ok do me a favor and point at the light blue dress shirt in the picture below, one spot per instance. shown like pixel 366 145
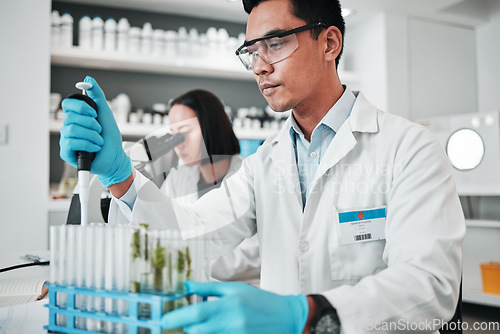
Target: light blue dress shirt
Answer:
pixel 308 154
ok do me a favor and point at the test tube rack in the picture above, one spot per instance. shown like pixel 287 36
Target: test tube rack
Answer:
pixel 133 321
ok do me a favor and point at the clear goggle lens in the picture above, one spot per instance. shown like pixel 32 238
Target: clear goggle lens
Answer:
pixel 271 50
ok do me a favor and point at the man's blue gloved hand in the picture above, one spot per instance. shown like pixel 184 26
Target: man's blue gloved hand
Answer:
pixel 82 132
pixel 241 308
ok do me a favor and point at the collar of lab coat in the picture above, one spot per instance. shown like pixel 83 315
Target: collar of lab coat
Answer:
pixel 363 118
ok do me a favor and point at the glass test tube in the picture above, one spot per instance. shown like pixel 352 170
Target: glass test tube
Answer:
pixel 122 250
pixel 61 275
pixel 89 251
pixel 80 323
pixel 109 273
pixel 99 270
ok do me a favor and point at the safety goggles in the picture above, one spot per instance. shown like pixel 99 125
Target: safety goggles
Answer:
pixel 272 48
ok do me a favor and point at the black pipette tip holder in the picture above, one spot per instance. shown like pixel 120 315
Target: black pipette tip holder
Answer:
pixel 84 159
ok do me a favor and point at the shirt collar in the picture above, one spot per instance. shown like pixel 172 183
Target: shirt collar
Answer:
pixel 334 118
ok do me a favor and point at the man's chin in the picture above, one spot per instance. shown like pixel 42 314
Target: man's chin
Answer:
pixel 276 107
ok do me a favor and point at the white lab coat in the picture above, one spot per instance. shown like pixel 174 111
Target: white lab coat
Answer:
pixel 241 264
pixel 375 160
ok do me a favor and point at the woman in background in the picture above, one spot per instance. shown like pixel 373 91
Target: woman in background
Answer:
pixel 209 153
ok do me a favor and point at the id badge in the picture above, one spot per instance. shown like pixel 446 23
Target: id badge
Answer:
pixel 361 226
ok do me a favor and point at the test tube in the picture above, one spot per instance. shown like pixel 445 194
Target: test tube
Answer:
pixel 80 323
pixel 61 275
pixel 54 250
pixel 109 273
pixel 122 250
pixel 99 270
pixel 89 272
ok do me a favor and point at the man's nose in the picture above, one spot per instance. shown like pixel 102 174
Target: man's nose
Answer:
pixel 260 66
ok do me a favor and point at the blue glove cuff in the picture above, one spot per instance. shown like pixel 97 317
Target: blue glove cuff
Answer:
pixel 299 307
pixel 119 172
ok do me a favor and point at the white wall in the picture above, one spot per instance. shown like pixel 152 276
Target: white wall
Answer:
pixel 365 53
pixel 442 69
pixel 488 60
pixel 413 68
pixel 398 85
pixel 24 91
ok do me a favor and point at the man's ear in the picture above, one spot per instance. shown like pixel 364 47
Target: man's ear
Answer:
pixel 333 45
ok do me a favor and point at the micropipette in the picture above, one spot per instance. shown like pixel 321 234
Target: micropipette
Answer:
pixel 84 159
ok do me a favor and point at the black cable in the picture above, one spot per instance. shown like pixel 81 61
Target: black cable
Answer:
pixel 41 263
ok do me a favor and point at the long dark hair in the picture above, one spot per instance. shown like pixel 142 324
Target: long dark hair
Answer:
pixel 216 129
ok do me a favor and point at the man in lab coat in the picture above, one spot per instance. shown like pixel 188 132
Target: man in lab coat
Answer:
pixel 360 226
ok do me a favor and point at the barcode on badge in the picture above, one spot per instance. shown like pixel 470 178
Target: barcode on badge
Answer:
pixel 359 237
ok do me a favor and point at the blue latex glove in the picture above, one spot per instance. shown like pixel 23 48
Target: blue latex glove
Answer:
pixel 82 132
pixel 241 308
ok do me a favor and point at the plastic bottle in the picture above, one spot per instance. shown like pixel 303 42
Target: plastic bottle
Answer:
pixel 203 45
pixel 194 43
pixel 170 44
pixel 122 41
pixel 110 35
pixel 134 34
pixel 122 107
pixel 85 32
pixel 212 42
pixel 222 45
pixel 66 30
pixel 146 38
pixel 97 33
pixel 55 30
pixel 233 45
pixel 182 42
pixel 158 42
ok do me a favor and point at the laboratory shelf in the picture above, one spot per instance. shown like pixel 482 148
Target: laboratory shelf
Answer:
pixel 189 66
pixel 141 130
pixel 214 68
pixel 479 297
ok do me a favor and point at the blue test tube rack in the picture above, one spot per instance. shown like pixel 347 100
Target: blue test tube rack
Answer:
pixel 132 321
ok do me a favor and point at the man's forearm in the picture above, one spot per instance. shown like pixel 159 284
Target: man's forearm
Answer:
pixel 119 189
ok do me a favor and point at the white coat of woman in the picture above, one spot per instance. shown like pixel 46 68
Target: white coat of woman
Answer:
pixel 207 155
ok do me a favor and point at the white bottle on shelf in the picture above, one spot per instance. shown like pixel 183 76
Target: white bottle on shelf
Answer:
pixel 146 38
pixel 97 33
pixel 223 41
pixel 203 45
pixel 233 44
pixel 134 34
pixel 66 30
pixel 182 42
pixel 194 43
pixel 122 108
pixel 85 32
pixel 212 37
pixel 122 40
pixel 110 35
pixel 158 42
pixel 170 44
pixel 55 30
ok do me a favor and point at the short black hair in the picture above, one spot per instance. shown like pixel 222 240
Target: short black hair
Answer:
pixel 311 11
pixel 216 129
